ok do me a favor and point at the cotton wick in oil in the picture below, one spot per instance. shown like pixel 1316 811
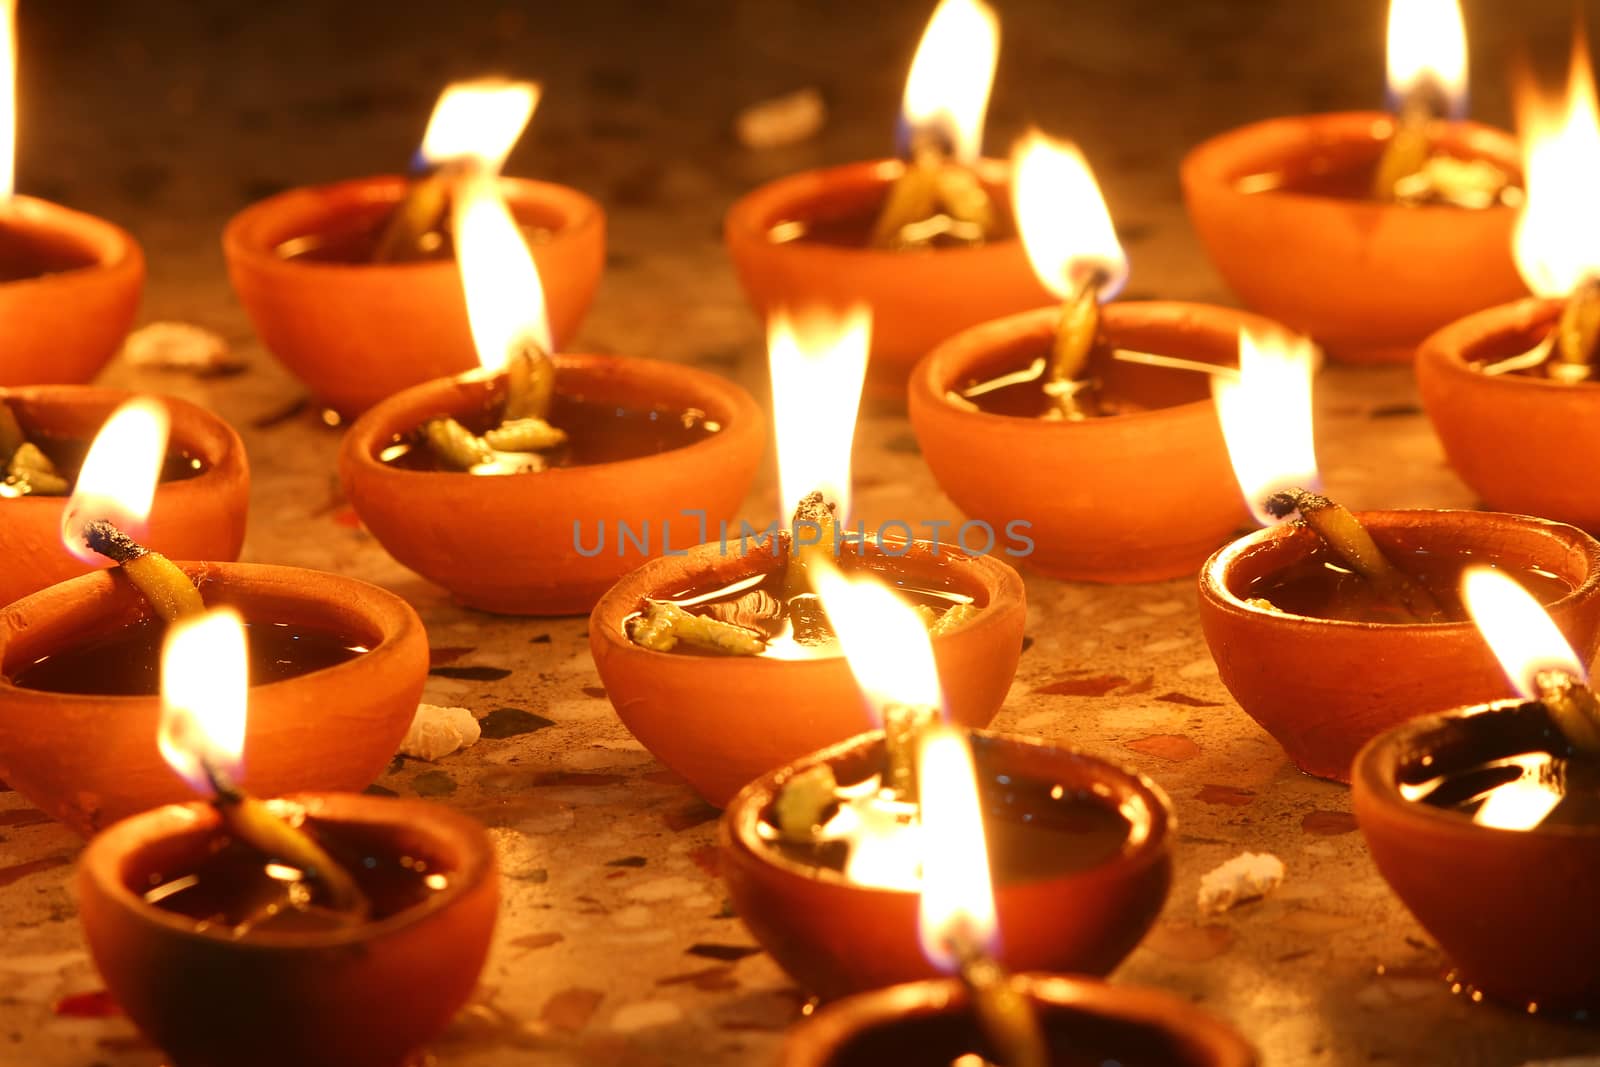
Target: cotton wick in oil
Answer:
pixel 1004 1015
pixel 28 471
pixel 167 589
pixel 933 197
pixel 523 429
pixel 1342 532
pixel 415 227
pixel 1066 379
pixel 1409 147
pixel 252 823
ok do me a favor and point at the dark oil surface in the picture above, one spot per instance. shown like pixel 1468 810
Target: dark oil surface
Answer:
pixel 597 432
pixel 24 254
pixel 228 888
pixel 1345 172
pixel 1321 587
pixel 1020 393
pixel 354 241
pixel 800 629
pixel 852 225
pixel 68 454
pixel 127 662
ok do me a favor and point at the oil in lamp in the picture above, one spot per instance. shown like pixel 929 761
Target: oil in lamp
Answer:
pixel 339 664
pixel 1511 390
pixel 1394 224
pixel 237 931
pixel 351 285
pixel 484 482
pixel 686 645
pixel 925 240
pixel 1485 819
pixel 1330 629
pixel 823 857
pixel 69 282
pixel 1126 476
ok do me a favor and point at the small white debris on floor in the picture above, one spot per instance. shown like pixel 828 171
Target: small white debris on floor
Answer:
pixel 1245 877
pixel 783 120
pixel 179 346
pixel 438 731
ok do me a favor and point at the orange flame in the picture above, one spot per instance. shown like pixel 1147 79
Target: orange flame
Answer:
pixel 1521 634
pixel 118 479
pixel 818 362
pixel 1266 417
pixel 1557 239
pixel 479 121
pixel 1427 44
pixel 1065 225
pixel 505 299
pixel 947 91
pixel 8 99
pixel 957 906
pixel 205 679
pixel 884 640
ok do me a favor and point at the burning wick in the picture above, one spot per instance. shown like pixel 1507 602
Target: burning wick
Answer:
pixel 1427 83
pixel 947 93
pixel 1534 653
pixel 1341 531
pixel 473 128
pixel 168 590
pixel 957 912
pixel 204 697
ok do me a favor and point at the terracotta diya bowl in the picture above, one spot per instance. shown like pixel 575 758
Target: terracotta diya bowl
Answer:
pixel 355 332
pixel 918 298
pixel 835 937
pixel 1513 909
pixel 930 1024
pixel 1368 280
pixel 1324 687
pixel 510 544
pixel 368 995
pixel 1136 497
pixel 194 517
pixel 69 287
pixel 722 721
pixel 90 759
pixel 1524 444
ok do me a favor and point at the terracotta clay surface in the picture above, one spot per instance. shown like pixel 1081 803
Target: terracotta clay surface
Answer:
pixel 1514 909
pixel 510 543
pixel 1524 444
pixel 356 333
pixel 835 938
pixel 63 326
pixel 1323 688
pixel 194 518
pixel 1368 280
pixel 721 721
pixel 364 996
pixel 918 299
pixel 91 760
pixel 1127 498
pixel 930 1024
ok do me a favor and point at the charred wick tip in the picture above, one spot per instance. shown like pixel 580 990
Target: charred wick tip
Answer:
pixel 1285 502
pixel 103 537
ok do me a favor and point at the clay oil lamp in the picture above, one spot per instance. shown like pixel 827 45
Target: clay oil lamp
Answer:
pixel 351 285
pixel 1512 391
pixel 720 660
pixel 1115 469
pixel 327 929
pixel 493 483
pixel 69 282
pixel 337 664
pixel 1331 629
pixel 924 240
pixel 1485 820
pixel 1395 224
pixel 824 858
pixel 198 504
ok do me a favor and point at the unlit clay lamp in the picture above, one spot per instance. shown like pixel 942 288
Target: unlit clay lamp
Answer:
pixel 1512 391
pixel 1485 820
pixel 1394 224
pixel 328 930
pixel 337 665
pixel 924 241
pixel 612 443
pixel 358 304
pixel 199 503
pixel 1116 470
pixel 823 858
pixel 69 282
pixel 720 719
pixel 1332 629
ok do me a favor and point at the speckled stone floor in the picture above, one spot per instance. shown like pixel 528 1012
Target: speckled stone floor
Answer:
pixel 614 945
